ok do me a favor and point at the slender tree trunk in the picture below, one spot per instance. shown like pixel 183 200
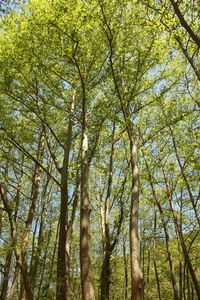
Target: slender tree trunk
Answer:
pixel 184 281
pixel 180 255
pixel 7 265
pixel 105 276
pixel 64 291
pixel 71 221
pixel 157 276
pixel 155 260
pixel 125 271
pixel 148 272
pixel 142 258
pixel 1 215
pixel 107 247
pixel 192 292
pixel 188 284
pixel 85 257
pixel 136 274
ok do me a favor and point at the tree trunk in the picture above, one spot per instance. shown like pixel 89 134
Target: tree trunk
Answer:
pixel 125 271
pixel 85 257
pixel 157 276
pixel 184 281
pixel 105 276
pixel 7 265
pixel 1 215
pixel 136 274
pixel 155 260
pixel 148 272
pixel 107 247
pixel 64 291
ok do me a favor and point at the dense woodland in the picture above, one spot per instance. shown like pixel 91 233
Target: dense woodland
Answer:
pixel 99 178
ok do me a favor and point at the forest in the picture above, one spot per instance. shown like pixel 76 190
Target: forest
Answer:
pixel 99 151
